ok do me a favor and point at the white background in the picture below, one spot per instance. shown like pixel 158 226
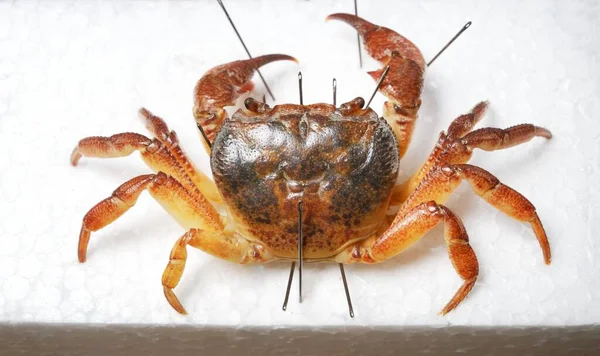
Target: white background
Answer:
pixel 75 69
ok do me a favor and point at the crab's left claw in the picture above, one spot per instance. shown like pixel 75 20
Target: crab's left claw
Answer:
pixel 222 85
pixel 404 82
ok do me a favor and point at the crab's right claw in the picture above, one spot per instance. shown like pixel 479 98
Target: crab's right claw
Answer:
pixel 381 42
pixel 404 82
pixel 222 85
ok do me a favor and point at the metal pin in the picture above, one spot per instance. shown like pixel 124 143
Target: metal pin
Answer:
pixel 358 36
pixel 467 25
pixel 385 72
pixel 300 87
pixel 334 92
pixel 300 245
pixel 264 99
pixel 289 286
pixel 293 266
pixel 204 135
pixel 246 48
pixel 350 309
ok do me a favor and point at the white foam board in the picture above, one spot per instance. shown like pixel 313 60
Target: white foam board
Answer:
pixel 75 69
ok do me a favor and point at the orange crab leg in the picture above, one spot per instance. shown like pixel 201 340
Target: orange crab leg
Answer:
pixel 162 153
pixel 174 270
pixel 221 86
pixel 190 209
pixel 159 128
pixel 442 181
pixel 422 211
pixel 231 248
pixel 404 82
pixel 411 226
pixel 457 145
pixel 119 145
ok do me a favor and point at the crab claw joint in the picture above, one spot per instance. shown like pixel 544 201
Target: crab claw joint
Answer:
pixel 222 85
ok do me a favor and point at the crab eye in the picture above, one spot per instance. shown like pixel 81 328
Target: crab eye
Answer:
pixel 353 106
pixel 256 106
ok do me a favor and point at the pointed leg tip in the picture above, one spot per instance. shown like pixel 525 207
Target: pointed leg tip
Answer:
pixel 84 239
pixel 545 133
pixel 449 307
pixel 174 301
pixel 75 156
pixel 547 256
pixel 481 108
pixel 143 112
pixel 81 253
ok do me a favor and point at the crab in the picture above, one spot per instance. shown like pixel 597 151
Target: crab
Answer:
pixel 339 163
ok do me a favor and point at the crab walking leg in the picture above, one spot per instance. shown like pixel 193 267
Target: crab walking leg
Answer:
pixel 458 127
pixel 191 210
pixel 174 270
pixel 410 227
pixel 221 86
pixel 119 145
pixel 159 128
pixel 442 181
pixel 463 124
pixel 154 153
pixel 403 84
pixel 216 243
pixel 458 144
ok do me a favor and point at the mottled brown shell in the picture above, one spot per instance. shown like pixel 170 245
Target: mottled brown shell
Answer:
pixel 342 167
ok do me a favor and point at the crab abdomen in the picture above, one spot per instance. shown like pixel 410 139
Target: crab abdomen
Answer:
pixel 342 168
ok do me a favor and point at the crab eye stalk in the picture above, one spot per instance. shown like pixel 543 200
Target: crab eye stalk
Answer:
pixel 256 106
pixel 352 107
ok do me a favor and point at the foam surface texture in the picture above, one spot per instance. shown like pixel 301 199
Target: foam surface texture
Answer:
pixel 74 69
